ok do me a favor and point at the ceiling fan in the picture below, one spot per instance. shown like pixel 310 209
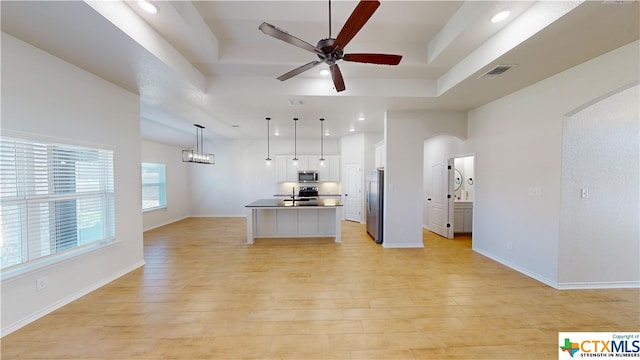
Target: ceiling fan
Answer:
pixel 330 50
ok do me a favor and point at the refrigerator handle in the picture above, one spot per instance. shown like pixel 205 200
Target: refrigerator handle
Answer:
pixel 368 200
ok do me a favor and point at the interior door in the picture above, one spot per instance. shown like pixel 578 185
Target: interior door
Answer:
pixel 353 193
pixel 438 201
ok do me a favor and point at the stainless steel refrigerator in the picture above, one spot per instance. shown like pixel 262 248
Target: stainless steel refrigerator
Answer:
pixel 375 202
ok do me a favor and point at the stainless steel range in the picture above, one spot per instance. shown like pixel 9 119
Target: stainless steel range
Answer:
pixel 308 192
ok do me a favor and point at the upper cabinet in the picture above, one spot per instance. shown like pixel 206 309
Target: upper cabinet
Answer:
pixel 286 172
pixel 331 169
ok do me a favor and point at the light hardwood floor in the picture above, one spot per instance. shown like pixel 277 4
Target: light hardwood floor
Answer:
pixel 205 294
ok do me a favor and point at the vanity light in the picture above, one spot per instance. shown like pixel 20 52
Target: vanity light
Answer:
pixel 268 159
pixel 198 155
pixel 321 142
pixel 148 6
pixel 295 142
pixel 500 16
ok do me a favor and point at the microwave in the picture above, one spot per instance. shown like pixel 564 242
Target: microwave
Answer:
pixel 307 176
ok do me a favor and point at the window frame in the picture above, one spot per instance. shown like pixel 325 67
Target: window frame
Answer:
pixel 22 165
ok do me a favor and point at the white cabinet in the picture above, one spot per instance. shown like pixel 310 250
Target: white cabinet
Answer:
pixel 282 170
pixel 286 172
pixel 331 169
pixel 462 216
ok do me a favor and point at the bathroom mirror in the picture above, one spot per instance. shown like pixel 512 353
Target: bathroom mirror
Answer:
pixel 457 179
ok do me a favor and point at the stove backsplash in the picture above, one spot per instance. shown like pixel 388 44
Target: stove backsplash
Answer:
pixel 324 188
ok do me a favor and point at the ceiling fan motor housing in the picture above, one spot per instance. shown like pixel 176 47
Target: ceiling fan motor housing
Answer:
pixel 331 55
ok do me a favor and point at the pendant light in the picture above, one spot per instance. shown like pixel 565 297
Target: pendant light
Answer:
pixel 268 159
pixel 198 155
pixel 295 142
pixel 321 142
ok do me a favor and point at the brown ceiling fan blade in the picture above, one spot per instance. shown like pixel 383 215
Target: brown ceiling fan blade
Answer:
pixel 279 34
pixel 381 59
pixel 298 70
pixel 336 75
pixel 356 21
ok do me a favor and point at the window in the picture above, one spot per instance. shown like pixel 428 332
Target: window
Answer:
pixel 54 198
pixel 154 187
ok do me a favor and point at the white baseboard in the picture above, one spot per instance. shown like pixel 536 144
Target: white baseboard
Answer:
pixel 164 223
pixel 591 285
pixel 542 279
pixel 62 302
pixel 599 285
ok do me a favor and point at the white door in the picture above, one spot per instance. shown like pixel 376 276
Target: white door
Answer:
pixel 353 193
pixel 438 201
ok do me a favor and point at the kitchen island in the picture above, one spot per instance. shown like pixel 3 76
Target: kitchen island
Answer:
pixel 278 218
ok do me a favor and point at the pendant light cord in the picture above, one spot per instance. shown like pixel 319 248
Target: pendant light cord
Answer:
pixel 268 133
pixel 295 138
pixel 321 139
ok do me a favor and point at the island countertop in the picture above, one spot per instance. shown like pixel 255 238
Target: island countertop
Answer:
pixel 281 203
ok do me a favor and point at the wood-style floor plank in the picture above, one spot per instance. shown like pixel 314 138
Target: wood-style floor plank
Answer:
pixel 205 294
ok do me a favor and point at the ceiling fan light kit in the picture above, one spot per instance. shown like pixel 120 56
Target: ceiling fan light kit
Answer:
pixel 331 50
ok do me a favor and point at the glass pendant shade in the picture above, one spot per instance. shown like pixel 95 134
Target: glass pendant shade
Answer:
pixel 198 155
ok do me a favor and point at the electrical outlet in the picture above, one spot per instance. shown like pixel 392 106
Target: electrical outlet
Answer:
pixel 42 283
pixel 584 193
pixel 535 191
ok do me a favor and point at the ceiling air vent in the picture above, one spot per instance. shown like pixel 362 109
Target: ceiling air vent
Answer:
pixel 496 71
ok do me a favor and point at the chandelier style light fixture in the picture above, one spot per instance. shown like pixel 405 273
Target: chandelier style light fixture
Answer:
pixel 295 142
pixel 321 142
pixel 198 155
pixel 268 159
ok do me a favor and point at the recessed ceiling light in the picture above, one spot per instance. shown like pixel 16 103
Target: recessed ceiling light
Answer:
pixel 148 6
pixel 276 133
pixel 361 118
pixel 324 72
pixel 500 16
pixel 296 102
pixel 352 129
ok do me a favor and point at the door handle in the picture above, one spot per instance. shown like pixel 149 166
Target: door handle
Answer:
pixel 346 194
pixel 428 199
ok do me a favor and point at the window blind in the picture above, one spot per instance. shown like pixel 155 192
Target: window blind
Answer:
pixel 54 198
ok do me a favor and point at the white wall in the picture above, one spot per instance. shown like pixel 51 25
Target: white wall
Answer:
pixel 405 133
pixel 177 186
pixel 46 96
pixel 518 141
pixel 600 232
pixel 239 175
